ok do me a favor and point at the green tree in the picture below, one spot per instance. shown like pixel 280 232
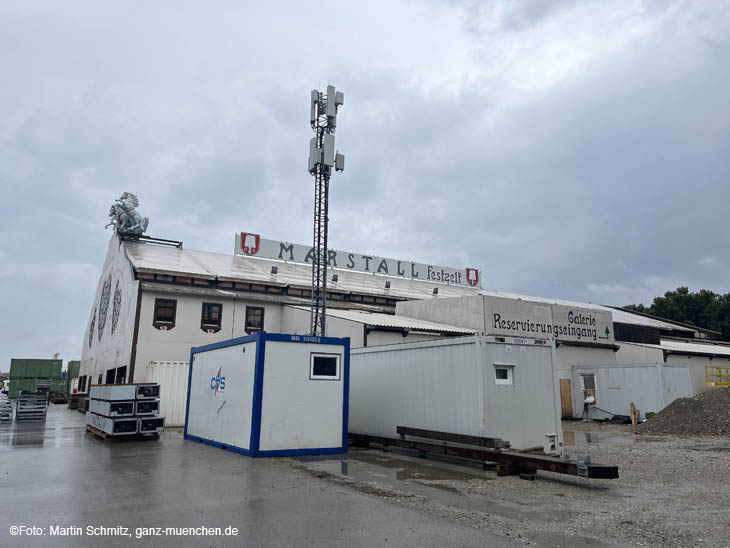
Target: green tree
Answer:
pixel 704 308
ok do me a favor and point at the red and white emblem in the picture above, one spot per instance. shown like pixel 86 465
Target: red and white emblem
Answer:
pixel 250 243
pixel 472 276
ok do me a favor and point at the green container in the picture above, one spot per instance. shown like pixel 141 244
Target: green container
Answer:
pixel 20 367
pixel 26 385
pixel 72 372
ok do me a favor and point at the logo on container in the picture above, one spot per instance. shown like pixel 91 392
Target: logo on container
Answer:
pixel 218 383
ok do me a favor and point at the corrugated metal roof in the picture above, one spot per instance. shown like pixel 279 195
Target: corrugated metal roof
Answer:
pixel 390 321
pixel 165 260
pixel 202 264
pixel 206 265
pixel 696 348
pixel 680 347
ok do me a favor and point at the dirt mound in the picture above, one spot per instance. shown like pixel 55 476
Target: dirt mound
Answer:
pixel 706 414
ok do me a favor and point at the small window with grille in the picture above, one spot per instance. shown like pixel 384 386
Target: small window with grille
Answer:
pixel 254 319
pixel 210 317
pixel 164 316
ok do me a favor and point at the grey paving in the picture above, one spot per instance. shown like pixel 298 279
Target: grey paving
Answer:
pixel 55 474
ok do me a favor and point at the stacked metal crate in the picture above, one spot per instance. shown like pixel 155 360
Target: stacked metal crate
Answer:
pixel 124 409
pixel 6 409
pixel 31 406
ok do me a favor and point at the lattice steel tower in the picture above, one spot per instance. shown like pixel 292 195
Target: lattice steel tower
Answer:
pixel 322 158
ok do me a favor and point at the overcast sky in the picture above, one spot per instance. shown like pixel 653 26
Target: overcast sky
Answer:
pixel 567 149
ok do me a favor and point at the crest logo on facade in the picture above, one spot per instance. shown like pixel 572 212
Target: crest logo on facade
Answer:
pixel 250 243
pixel 218 383
pixel 472 276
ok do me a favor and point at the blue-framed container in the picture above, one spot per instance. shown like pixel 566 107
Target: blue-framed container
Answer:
pixel 270 394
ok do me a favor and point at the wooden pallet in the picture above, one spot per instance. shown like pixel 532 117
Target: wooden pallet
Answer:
pixel 103 436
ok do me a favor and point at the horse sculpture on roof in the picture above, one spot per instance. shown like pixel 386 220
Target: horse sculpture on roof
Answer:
pixel 125 218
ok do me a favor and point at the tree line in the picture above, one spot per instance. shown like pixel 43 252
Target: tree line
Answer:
pixel 704 308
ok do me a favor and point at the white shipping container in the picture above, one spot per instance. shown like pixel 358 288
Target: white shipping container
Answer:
pixel 650 387
pixel 270 394
pixel 499 387
pixel 173 380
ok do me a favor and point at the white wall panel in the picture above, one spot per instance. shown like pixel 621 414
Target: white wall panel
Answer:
pixel 299 412
pixel 224 415
pixel 173 380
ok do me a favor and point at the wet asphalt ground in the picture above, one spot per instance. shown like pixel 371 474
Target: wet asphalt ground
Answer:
pixel 59 479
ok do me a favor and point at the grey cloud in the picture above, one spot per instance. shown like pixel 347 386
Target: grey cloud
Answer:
pixel 608 184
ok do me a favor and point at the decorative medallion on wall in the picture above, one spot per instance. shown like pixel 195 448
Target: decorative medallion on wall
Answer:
pixel 91 327
pixel 106 293
pixel 116 306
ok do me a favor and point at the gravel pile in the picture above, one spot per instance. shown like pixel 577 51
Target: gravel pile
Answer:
pixel 706 414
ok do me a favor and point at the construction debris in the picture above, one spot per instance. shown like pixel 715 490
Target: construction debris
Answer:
pixel 706 414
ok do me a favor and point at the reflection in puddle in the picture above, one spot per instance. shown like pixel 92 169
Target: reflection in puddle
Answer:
pixel 428 478
pixel 563 540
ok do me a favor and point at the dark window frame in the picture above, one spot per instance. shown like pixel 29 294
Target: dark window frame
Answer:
pixel 208 326
pixel 111 375
pixel 159 324
pixel 121 375
pixel 338 367
pixel 254 309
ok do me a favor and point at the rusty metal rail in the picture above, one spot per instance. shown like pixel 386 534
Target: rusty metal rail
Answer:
pixel 464 439
pixel 510 462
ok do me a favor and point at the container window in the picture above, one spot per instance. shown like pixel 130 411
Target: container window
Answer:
pixel 210 317
pixel 165 311
pixel 325 367
pixel 589 382
pixel 254 318
pixel 503 374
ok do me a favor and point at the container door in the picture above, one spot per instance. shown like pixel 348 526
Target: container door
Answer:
pixel 566 398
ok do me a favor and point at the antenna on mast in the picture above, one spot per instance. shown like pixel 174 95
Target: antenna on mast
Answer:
pixel 323 109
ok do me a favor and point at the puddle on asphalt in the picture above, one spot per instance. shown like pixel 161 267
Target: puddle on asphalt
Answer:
pixel 424 477
pixel 548 539
pixel 571 438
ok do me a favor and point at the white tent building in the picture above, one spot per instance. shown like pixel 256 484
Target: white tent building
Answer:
pixel 155 300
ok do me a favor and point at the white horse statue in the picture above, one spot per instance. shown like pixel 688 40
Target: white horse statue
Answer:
pixel 125 218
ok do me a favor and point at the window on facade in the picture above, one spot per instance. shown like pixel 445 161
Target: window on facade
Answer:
pixel 82 383
pixel 589 382
pixel 121 375
pixel 503 374
pixel 325 367
pixel 100 379
pixel 254 318
pixel 164 317
pixel 210 317
pixel 111 374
